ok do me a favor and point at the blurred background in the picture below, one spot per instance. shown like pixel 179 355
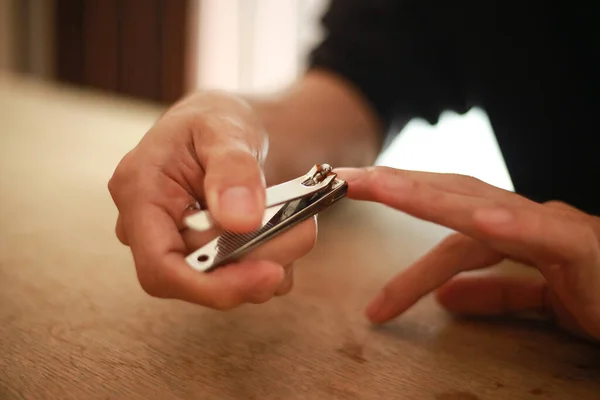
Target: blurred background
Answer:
pixel 157 50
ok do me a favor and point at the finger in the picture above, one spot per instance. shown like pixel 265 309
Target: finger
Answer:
pixel 559 205
pixel 566 251
pixel 548 238
pixel 159 250
pixel 120 231
pixel 153 187
pixel 363 179
pixel 419 199
pixel 234 182
pixel 453 255
pixel 574 212
pixel 288 282
pixel 494 295
pixel 475 216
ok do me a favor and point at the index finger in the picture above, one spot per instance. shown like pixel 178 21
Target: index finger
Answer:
pixel 363 182
pixel 414 195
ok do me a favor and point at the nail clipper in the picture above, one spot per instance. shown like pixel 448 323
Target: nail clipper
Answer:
pixel 287 204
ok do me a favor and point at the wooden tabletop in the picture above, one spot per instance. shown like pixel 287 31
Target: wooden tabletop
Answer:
pixel 74 323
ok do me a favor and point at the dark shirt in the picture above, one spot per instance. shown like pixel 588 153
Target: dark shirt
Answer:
pixel 533 66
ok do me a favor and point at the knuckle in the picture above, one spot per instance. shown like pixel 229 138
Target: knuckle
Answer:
pixel 113 185
pixel 564 207
pixel 227 131
pixel 467 181
pixel 586 246
pixel 558 205
pixel 121 235
pixel 554 203
pixel 228 164
pixel 119 178
pixel 235 153
pixel 377 173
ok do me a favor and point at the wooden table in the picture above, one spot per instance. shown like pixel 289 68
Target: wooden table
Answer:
pixel 74 323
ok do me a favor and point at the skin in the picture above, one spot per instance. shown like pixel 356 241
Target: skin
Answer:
pixel 491 224
pixel 210 142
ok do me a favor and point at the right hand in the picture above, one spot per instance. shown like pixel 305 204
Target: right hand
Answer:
pixel 209 148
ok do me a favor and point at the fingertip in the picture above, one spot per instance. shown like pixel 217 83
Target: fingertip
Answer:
pixel 499 222
pixel 351 175
pixel 378 184
pixel 382 309
pixel 357 179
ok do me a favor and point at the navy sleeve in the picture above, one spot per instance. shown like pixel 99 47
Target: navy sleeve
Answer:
pixel 398 53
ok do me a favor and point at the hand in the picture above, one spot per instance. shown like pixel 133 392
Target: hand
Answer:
pixel 207 149
pixel 492 224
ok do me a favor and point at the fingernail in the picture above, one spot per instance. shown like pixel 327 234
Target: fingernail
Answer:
pixel 375 307
pixel 350 174
pixel 493 216
pixel 238 200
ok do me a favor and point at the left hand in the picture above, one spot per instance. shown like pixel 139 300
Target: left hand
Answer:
pixel 492 224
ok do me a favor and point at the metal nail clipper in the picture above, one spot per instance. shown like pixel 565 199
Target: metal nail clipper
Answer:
pixel 287 205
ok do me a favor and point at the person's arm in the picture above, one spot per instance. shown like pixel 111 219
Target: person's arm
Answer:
pixel 208 149
pixel 321 119
pixel 380 64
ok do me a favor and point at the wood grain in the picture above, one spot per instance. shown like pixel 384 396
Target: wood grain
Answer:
pixel 74 323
